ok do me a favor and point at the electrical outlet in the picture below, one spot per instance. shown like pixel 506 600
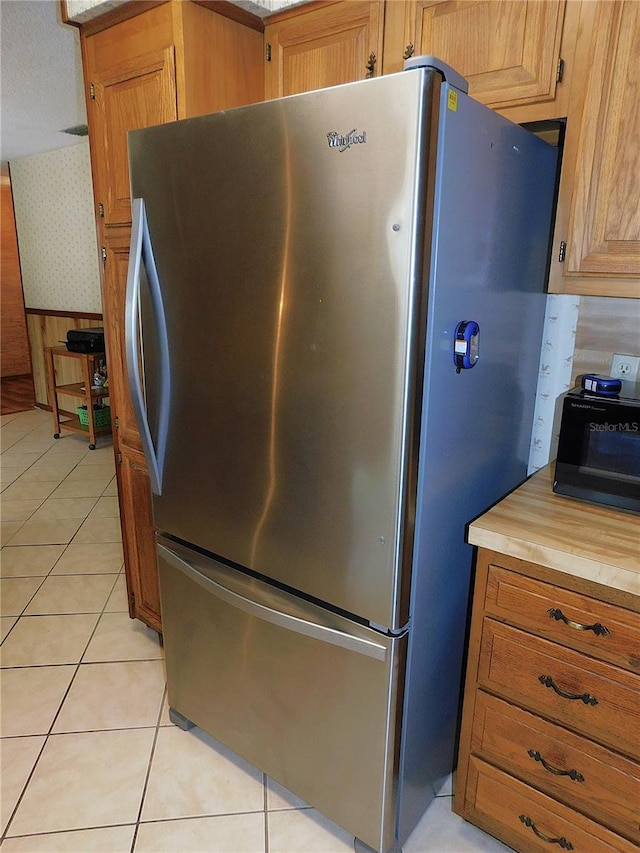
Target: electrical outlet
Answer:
pixel 625 367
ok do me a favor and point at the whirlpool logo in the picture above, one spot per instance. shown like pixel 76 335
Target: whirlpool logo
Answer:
pixel 343 141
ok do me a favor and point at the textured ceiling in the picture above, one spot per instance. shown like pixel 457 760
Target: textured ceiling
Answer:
pixel 41 88
pixel 41 79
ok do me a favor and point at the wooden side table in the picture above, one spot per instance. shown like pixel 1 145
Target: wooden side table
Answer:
pixel 82 390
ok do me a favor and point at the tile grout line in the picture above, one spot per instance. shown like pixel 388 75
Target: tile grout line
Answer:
pixel 7 828
pixel 265 783
pixel 59 483
pixel 148 773
pixel 57 714
pixel 55 563
pixel 24 790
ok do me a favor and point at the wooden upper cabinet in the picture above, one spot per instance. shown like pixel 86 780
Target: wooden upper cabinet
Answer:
pixel 172 61
pixel 508 50
pixel 604 223
pixel 134 95
pixel 323 45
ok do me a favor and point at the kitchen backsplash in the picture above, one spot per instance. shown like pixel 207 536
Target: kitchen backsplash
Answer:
pixel 554 375
pixel 580 336
pixel 605 326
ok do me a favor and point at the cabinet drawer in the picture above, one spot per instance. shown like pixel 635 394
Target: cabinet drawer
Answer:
pixel 603 630
pixel 593 698
pixel 575 770
pixel 530 821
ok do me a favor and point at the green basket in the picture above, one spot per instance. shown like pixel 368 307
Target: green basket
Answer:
pixel 101 416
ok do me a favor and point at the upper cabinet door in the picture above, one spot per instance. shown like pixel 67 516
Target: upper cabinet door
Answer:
pixel 508 50
pixel 604 224
pixel 337 43
pixel 135 94
pixel 168 61
pixel 130 78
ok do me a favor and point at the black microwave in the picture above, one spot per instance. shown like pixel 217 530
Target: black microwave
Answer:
pixel 599 448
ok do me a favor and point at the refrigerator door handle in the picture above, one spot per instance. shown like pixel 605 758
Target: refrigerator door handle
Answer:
pixel 142 253
pixel 324 633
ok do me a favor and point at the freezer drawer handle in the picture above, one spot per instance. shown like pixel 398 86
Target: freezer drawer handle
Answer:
pixel 275 617
pixel 142 253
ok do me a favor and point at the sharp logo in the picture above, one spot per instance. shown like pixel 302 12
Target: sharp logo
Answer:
pixel 344 141
pixel 590 406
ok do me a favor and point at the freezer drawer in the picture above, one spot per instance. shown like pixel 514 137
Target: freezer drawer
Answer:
pixel 306 695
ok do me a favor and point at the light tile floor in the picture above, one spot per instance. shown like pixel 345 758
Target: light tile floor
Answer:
pixel 90 760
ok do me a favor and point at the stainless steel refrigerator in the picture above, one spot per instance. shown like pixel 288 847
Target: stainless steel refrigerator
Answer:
pixel 334 316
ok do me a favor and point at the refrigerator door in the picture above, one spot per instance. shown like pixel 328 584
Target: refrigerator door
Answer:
pixel 284 236
pixel 308 696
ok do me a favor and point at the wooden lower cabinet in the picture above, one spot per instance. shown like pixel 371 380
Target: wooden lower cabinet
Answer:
pixel 134 490
pixel 550 744
pixel 593 698
pixel 138 537
pixel 113 296
pixel 567 766
pixel 146 64
pixel 530 821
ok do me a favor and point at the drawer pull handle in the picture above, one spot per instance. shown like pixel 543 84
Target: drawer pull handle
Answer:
pixel 587 698
pixel 598 629
pixel 562 841
pixel 572 774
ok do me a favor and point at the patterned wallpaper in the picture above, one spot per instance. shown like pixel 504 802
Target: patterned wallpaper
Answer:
pixel 53 200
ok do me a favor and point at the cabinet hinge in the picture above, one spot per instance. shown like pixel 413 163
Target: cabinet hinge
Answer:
pixel 117 421
pixel 119 457
pixel 103 255
pixel 562 252
pixel 132 600
pixel 92 91
pixel 560 70
pixel 101 210
pixel 267 52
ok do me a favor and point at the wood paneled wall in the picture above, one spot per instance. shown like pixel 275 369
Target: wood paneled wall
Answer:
pixel 49 330
pixel 605 326
pixel 14 345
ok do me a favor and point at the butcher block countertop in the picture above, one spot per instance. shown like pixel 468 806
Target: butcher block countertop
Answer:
pixel 587 540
